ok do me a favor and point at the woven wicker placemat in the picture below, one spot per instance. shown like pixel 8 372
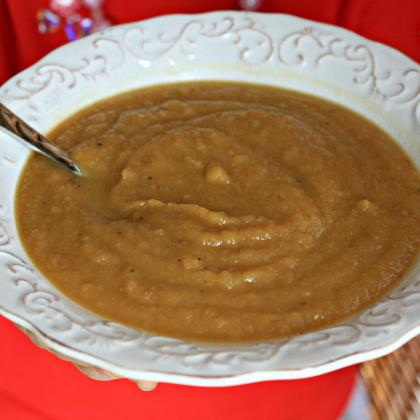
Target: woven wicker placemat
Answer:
pixel 393 383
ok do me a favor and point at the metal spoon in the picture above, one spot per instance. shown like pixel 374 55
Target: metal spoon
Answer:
pixel 16 127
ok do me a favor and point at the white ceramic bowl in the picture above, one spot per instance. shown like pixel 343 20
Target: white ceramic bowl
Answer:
pixel 280 50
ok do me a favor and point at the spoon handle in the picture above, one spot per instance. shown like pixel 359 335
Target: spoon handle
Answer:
pixel 15 125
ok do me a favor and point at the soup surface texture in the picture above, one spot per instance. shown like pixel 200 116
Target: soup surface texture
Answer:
pixel 221 212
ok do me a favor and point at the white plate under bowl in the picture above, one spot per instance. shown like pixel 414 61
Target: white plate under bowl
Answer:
pixel 280 50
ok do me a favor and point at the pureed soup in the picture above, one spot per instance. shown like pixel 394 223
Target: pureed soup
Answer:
pixel 222 212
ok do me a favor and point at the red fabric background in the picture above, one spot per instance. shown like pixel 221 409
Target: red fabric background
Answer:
pixel 35 385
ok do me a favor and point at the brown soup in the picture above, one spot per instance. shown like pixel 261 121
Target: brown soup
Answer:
pixel 222 212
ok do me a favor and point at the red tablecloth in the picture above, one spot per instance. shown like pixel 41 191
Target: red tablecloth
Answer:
pixel 37 385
